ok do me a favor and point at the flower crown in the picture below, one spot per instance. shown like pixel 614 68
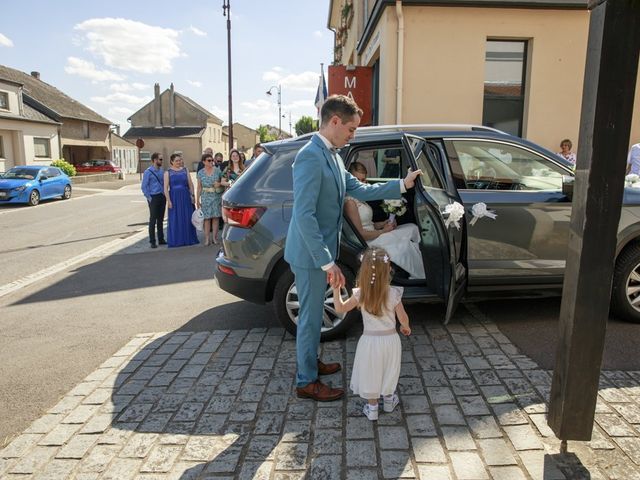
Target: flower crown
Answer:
pixel 385 259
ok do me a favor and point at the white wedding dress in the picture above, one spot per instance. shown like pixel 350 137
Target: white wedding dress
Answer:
pixel 402 244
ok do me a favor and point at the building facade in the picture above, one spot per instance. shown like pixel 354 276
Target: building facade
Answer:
pixel 173 123
pixel 515 65
pixel 123 153
pixel 246 138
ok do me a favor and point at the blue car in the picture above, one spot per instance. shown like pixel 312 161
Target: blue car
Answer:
pixel 30 184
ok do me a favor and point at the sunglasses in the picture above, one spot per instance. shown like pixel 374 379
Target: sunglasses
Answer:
pixel 209 160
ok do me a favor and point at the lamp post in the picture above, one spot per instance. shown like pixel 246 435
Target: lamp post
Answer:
pixel 279 87
pixel 226 12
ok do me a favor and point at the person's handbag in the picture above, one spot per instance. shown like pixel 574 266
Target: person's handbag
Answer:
pixel 197 219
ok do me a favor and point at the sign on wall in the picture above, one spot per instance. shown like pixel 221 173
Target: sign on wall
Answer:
pixel 355 82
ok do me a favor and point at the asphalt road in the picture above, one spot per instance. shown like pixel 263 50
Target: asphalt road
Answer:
pixel 57 331
pixel 34 238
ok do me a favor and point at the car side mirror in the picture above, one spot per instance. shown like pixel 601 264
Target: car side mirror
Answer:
pixel 567 186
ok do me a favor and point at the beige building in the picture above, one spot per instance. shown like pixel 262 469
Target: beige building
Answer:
pixel 513 64
pixel 173 123
pixel 65 127
pixel 123 153
pixel 225 140
pixel 246 138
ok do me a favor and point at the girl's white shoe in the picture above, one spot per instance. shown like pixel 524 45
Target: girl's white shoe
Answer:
pixel 370 411
pixel 390 402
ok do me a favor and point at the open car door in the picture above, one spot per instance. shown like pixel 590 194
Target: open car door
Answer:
pixel 444 246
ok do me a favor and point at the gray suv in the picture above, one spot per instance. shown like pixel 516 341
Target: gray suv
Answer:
pixel 522 251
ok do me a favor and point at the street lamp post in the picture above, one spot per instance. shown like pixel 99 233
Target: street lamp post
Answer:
pixel 226 11
pixel 279 87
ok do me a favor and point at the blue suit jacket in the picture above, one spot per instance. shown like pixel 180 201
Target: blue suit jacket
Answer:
pixel 319 190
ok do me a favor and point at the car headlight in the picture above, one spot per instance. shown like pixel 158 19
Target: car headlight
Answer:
pixel 21 188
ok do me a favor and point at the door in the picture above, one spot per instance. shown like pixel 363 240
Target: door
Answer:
pixel 527 242
pixel 443 245
pixel 48 183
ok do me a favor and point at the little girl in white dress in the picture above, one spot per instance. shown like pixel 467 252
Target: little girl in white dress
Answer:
pixel 376 367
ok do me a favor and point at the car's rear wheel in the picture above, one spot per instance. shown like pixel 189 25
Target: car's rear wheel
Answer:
pixel 287 307
pixel 625 293
pixel 66 195
pixel 34 198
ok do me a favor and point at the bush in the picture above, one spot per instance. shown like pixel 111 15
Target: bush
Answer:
pixel 65 166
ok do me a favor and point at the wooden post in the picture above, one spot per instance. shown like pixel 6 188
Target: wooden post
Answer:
pixel 605 125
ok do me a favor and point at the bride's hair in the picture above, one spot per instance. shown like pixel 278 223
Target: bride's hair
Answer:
pixel 357 167
pixel 374 279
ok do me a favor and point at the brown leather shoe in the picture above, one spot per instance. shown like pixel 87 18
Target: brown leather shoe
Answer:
pixel 319 392
pixel 328 368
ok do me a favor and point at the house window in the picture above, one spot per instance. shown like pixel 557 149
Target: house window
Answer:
pixel 4 100
pixel 504 85
pixel 85 129
pixel 42 147
pixel 1 147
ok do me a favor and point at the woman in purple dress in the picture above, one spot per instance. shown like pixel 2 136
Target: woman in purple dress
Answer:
pixel 178 188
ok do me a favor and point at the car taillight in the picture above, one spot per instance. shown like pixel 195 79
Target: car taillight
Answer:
pixel 243 217
pixel 227 270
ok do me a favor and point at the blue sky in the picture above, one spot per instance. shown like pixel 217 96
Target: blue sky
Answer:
pixel 108 55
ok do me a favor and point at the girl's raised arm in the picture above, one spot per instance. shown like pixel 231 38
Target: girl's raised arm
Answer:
pixel 403 318
pixel 341 305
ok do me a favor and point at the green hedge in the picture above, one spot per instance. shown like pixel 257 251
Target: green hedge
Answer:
pixel 65 166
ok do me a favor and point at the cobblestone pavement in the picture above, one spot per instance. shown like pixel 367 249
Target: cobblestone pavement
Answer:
pixel 220 404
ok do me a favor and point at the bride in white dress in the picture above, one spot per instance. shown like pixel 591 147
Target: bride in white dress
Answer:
pixel 401 242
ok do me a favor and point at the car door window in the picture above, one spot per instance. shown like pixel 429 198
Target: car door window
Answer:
pixel 497 166
pixel 382 163
pixel 429 178
pixel 53 172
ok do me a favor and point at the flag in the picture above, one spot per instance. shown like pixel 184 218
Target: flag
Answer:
pixel 321 94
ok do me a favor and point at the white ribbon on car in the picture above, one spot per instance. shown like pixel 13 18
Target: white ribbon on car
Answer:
pixel 479 210
pixel 455 211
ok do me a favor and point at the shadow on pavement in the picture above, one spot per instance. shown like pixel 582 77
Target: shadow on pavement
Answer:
pixel 532 325
pixel 115 273
pixel 224 402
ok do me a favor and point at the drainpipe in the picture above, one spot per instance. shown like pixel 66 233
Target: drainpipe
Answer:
pixel 400 57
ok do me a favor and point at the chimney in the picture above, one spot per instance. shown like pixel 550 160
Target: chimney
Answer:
pixel 35 75
pixel 172 106
pixel 157 106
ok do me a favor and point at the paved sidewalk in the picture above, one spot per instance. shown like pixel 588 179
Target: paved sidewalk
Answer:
pixel 220 404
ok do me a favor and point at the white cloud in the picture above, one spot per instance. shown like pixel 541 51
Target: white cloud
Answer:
pixel 299 104
pixel 197 31
pixel 221 113
pixel 305 81
pixel 86 69
pixel 130 45
pixel 119 97
pixel 122 111
pixel 317 34
pixel 5 41
pixel 195 83
pixel 127 87
pixel 258 105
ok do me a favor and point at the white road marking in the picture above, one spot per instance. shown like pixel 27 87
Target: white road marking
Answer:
pixel 106 249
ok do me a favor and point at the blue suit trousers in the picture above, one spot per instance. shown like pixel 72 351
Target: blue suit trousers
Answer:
pixel 311 284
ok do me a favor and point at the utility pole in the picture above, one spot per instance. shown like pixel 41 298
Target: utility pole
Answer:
pixel 226 12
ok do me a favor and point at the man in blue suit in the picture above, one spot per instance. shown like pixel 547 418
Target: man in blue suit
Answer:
pixel 320 184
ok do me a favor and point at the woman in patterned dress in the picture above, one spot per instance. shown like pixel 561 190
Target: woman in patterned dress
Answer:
pixel 207 199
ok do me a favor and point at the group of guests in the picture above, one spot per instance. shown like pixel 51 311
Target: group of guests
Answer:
pixel 173 189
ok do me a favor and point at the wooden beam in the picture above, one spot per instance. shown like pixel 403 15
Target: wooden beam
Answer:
pixel 605 125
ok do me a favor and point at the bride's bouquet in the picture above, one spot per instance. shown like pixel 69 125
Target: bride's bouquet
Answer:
pixel 395 208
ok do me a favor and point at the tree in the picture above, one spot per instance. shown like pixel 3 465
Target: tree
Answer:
pixel 265 136
pixel 306 124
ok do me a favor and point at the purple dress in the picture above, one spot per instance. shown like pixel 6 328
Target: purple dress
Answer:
pixel 180 230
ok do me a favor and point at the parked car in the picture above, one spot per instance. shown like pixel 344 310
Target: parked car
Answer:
pixel 522 251
pixel 30 184
pixel 98 166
